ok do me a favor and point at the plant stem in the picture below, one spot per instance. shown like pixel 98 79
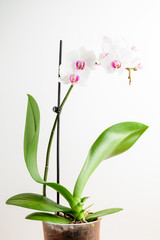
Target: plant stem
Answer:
pixel 50 140
pixel 129 75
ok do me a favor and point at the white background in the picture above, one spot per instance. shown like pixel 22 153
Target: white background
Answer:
pixel 30 31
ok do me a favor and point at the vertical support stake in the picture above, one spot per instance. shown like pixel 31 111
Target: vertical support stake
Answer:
pixel 58 121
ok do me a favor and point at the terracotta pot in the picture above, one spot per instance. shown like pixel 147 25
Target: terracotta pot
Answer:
pixel 83 231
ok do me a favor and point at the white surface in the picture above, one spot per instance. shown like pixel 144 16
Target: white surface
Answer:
pixel 30 32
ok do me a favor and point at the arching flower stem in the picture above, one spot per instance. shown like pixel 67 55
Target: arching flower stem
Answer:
pixel 51 138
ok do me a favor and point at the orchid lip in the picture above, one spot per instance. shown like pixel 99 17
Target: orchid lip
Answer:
pixel 116 64
pixel 74 78
pixel 80 65
pixel 134 48
pixel 139 66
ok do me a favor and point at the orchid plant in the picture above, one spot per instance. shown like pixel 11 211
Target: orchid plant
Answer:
pixel 111 142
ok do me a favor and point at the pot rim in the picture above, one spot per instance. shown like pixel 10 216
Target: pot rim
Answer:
pixel 74 224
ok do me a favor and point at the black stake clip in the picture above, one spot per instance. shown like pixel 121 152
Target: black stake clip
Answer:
pixel 57 109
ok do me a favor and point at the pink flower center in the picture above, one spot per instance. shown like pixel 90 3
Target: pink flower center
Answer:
pixel 74 78
pixel 139 66
pixel 134 48
pixel 116 64
pixel 104 55
pixel 80 65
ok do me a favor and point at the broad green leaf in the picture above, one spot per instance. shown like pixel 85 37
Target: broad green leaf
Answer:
pixel 47 217
pixel 31 138
pixel 36 202
pixel 102 213
pixel 113 141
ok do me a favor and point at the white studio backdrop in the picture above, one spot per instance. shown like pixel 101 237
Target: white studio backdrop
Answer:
pixel 30 31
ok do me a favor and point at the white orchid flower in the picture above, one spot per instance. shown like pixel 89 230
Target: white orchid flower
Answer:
pixel 118 55
pixel 77 66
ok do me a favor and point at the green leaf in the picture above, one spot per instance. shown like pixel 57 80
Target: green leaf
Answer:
pixel 113 141
pixel 63 191
pixel 83 200
pixel 47 217
pixel 31 137
pixel 102 213
pixel 37 202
